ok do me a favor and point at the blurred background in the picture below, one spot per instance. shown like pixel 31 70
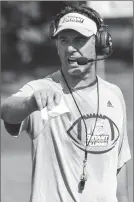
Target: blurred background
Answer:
pixel 27 53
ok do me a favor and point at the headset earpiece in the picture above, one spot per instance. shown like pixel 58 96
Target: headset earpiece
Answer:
pixel 103 42
pixel 103 38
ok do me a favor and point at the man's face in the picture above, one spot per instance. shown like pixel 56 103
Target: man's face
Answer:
pixel 72 45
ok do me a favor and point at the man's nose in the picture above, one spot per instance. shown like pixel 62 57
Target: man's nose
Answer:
pixel 71 48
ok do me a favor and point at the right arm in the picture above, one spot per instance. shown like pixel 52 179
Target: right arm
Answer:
pixel 15 108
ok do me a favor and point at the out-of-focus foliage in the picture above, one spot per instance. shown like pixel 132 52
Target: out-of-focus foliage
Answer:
pixel 25 33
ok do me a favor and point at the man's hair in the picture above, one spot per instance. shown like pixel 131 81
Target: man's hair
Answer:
pixel 84 10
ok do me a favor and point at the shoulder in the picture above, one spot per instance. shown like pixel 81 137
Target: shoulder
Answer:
pixel 52 81
pixel 114 89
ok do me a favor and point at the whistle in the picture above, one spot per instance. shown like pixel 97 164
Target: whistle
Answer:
pixel 82 184
pixel 83 179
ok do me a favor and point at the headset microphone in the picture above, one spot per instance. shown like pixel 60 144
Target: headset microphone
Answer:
pixel 84 61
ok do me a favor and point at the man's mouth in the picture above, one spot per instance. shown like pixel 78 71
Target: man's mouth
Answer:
pixel 72 59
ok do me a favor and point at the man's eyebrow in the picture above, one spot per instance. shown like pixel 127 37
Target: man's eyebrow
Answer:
pixel 62 37
pixel 83 37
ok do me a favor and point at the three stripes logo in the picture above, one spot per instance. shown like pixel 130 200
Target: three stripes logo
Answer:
pixel 109 104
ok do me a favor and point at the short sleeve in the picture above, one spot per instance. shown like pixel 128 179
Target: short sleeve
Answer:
pixel 24 125
pixel 124 149
pixel 25 91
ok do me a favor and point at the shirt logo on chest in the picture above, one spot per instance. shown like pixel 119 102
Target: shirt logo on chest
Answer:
pixel 109 104
pixel 103 138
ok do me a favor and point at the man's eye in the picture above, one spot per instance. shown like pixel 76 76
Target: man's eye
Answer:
pixel 81 40
pixel 63 40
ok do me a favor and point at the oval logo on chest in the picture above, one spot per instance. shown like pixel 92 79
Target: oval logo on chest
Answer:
pixel 102 133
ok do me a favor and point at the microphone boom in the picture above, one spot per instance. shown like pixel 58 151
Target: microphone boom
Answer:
pixel 84 61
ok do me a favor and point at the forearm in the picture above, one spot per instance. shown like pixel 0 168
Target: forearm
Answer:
pixel 15 109
pixel 122 198
pixel 122 188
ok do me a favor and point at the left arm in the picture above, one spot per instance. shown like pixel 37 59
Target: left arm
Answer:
pixel 123 156
pixel 122 185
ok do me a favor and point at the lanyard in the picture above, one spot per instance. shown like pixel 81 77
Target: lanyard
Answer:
pixel 83 177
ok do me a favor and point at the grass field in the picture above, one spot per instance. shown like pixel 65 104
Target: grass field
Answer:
pixel 16 159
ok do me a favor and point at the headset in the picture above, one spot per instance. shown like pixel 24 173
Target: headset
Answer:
pixel 103 44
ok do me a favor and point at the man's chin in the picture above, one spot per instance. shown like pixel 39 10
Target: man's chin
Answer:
pixel 77 72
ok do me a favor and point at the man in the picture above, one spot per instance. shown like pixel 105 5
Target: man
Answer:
pixel 76 120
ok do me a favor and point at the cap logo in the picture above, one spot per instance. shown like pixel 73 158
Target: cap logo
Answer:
pixel 73 19
pixel 77 22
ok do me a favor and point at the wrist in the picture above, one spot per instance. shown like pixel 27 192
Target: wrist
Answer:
pixel 122 198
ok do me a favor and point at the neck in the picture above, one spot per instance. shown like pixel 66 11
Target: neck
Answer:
pixel 82 81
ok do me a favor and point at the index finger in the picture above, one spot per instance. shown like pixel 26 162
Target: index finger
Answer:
pixel 57 97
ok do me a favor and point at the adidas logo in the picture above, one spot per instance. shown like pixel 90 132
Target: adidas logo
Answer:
pixel 109 104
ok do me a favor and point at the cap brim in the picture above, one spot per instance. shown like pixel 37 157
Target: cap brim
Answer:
pixel 81 30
